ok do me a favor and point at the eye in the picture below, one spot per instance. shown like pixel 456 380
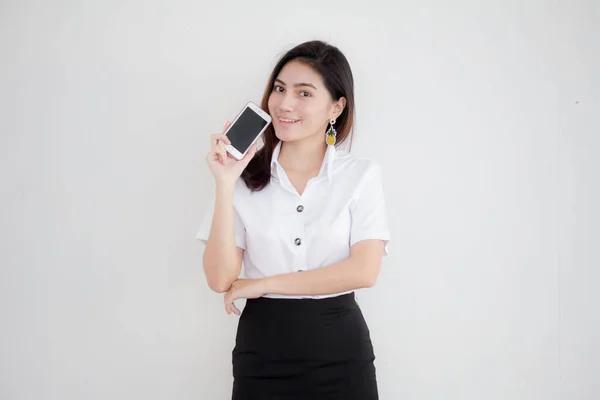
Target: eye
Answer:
pixel 277 87
pixel 305 94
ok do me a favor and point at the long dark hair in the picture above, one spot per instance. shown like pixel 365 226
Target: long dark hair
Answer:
pixel 332 65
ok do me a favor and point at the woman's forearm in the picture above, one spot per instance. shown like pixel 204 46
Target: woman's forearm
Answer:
pixel 222 261
pixel 349 274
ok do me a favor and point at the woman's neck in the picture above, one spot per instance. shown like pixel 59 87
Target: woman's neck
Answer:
pixel 303 155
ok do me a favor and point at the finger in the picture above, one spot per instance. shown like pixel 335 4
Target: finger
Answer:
pixel 250 154
pixel 220 140
pixel 226 303
pixel 236 311
pixel 227 125
pixel 216 138
pixel 222 152
pixel 218 151
pixel 214 156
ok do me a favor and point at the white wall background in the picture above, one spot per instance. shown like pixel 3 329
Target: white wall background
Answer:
pixel 484 115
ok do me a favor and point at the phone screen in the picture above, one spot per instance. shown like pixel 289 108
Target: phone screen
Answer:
pixel 245 129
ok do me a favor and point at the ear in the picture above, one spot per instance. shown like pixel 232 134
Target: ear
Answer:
pixel 338 107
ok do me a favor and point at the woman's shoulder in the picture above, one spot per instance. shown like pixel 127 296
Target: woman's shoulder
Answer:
pixel 355 166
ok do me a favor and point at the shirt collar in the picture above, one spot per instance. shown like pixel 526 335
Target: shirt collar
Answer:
pixel 326 167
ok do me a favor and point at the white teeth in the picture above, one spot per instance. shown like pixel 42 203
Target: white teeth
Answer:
pixel 288 120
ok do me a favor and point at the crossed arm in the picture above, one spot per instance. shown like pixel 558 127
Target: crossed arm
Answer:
pixel 360 270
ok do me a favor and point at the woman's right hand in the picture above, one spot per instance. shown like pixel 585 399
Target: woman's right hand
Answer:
pixel 223 166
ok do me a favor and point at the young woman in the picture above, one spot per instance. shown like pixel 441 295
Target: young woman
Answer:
pixel 308 223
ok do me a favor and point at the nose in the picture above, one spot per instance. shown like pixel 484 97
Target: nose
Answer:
pixel 287 103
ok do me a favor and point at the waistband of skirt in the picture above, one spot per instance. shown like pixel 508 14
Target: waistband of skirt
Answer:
pixel 343 300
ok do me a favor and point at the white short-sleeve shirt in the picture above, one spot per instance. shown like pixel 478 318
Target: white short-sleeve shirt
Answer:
pixel 282 231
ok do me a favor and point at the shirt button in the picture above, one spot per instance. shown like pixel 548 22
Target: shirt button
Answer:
pixel 300 208
pixel 298 242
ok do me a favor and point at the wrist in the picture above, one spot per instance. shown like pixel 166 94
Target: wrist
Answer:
pixel 225 184
pixel 267 285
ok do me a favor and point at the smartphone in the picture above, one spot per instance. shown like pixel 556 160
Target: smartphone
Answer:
pixel 245 129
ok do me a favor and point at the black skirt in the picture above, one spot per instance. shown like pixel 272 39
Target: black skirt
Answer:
pixel 303 349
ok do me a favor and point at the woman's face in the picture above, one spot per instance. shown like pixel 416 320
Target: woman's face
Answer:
pixel 300 105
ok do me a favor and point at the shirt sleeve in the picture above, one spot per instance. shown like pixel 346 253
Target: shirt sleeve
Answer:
pixel 238 228
pixel 369 216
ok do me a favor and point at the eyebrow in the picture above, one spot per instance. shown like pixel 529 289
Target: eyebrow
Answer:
pixel 297 84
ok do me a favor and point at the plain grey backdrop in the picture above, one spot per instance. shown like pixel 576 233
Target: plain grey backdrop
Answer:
pixel 485 117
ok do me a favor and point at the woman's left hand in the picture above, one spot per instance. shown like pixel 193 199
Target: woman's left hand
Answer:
pixel 243 289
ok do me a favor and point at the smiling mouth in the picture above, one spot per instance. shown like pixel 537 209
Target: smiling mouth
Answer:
pixel 288 121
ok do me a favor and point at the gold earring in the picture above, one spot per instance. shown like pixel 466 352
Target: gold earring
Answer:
pixel 330 136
